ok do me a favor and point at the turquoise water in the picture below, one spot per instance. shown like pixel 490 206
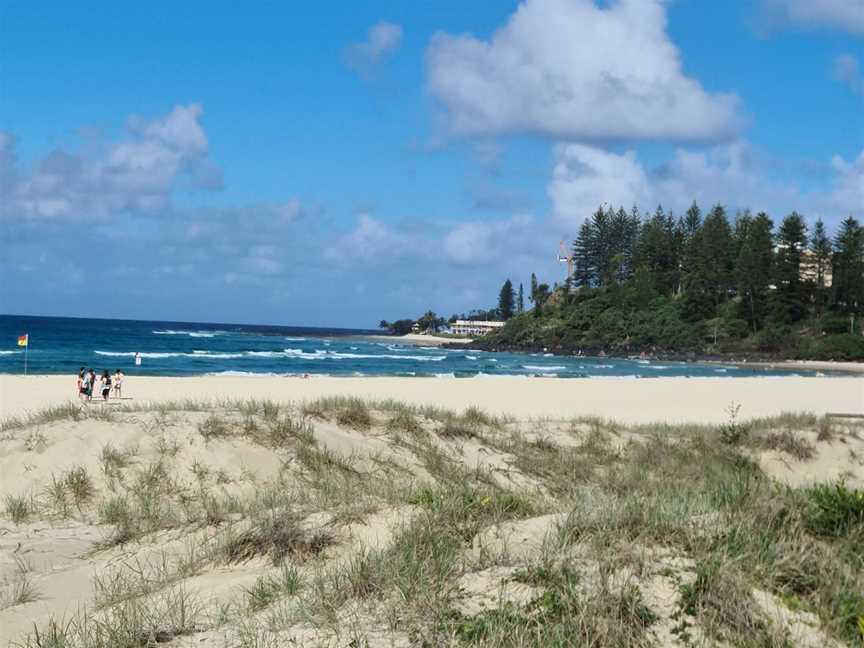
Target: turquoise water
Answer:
pixel 62 345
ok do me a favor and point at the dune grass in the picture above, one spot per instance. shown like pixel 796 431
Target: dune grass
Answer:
pixel 688 505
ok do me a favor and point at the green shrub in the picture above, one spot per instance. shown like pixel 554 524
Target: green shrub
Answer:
pixel 845 346
pixel 834 509
pixel 834 323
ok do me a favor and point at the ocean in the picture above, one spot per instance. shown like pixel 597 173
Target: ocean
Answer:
pixel 60 345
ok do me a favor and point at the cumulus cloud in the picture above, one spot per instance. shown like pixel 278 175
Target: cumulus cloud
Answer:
pixel 139 173
pixel 483 242
pixel 573 69
pixel 734 174
pixel 374 242
pixel 846 71
pixel 841 15
pixel 382 40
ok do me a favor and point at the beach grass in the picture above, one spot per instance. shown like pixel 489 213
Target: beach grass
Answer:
pixel 454 528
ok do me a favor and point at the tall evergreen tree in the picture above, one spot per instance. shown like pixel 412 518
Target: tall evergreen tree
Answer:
pixel 584 271
pixel 710 278
pixel 689 226
pixel 753 269
pixel 601 246
pixel 656 251
pixel 820 250
pixel 520 301
pixel 506 301
pixel 848 268
pixel 533 295
pixel 791 298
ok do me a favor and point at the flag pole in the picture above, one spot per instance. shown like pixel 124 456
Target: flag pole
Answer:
pixel 26 349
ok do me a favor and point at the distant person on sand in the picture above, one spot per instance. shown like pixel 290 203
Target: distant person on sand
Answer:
pixel 106 385
pixel 118 384
pixel 79 384
pixel 137 359
pixel 91 374
pixel 85 386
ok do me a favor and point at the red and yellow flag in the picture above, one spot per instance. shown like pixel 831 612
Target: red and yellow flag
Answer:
pixel 23 339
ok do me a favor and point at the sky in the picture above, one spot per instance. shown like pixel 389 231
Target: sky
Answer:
pixel 335 164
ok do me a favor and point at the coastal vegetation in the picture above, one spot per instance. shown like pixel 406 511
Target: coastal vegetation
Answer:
pixel 694 285
pixel 341 521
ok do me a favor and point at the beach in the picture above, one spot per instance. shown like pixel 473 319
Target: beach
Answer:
pixel 699 400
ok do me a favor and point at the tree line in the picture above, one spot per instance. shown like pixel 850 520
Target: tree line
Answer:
pixel 778 276
pixel 686 282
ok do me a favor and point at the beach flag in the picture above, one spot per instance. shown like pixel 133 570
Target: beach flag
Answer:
pixel 22 340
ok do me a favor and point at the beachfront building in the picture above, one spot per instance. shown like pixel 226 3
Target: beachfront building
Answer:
pixel 470 327
pixel 809 268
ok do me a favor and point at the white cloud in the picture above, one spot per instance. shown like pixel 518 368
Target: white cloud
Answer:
pixel 482 242
pixel 136 174
pixel 842 15
pixel 382 40
pixel 572 69
pixel 846 71
pixel 734 175
pixel 847 193
pixel 373 242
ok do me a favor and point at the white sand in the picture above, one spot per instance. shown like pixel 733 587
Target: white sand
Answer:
pixel 418 339
pixel 703 400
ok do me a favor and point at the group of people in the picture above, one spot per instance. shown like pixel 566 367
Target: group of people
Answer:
pixel 87 384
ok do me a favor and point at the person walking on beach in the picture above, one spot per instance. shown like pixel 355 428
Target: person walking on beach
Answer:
pixel 85 387
pixel 106 385
pixel 118 384
pixel 91 375
pixel 79 384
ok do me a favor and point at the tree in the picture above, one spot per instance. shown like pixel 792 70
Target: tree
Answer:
pixel 506 301
pixel 584 272
pixel 430 321
pixel 790 299
pixel 710 278
pixel 401 327
pixel 384 324
pixel 754 265
pixel 848 268
pixel 520 301
pixel 820 249
pixel 657 251
pixel 533 296
pixel 690 225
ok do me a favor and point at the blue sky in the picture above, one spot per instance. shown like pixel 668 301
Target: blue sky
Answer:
pixel 305 163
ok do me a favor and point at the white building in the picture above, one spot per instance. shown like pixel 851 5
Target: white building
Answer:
pixel 468 327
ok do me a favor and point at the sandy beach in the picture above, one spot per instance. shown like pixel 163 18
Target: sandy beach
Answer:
pixel 702 400
pixel 421 340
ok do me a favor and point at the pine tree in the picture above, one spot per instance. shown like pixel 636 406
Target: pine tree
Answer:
pixel 820 249
pixel 584 272
pixel 506 299
pixel 848 268
pixel 753 268
pixel 790 299
pixel 520 301
pixel 710 278
pixel 533 295
pixel 656 251
pixel 689 226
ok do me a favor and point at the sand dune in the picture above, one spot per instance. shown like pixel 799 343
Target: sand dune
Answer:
pixel 254 525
